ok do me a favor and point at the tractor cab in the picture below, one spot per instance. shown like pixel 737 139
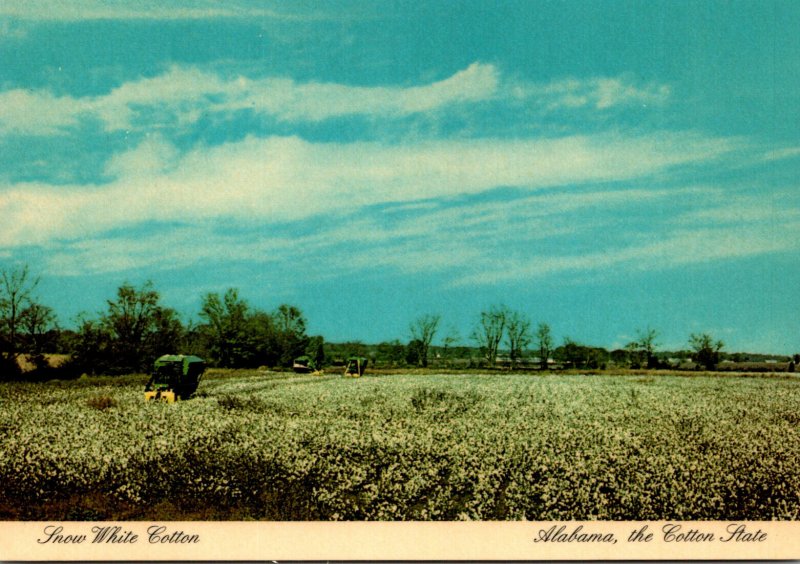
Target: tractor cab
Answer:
pixel 175 376
pixel 304 364
pixel 355 366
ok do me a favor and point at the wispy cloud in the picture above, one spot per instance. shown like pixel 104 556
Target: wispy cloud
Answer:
pixel 113 10
pixel 786 153
pixel 598 93
pixel 279 179
pixel 694 237
pixel 181 95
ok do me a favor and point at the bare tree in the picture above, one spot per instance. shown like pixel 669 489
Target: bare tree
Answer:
pixel 647 344
pixel 706 350
pixel 489 331
pixel 518 334
pixel 16 289
pixel 452 338
pixel 544 339
pixel 423 329
pixel 36 321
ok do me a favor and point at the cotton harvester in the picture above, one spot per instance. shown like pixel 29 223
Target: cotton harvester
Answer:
pixel 175 376
pixel 355 366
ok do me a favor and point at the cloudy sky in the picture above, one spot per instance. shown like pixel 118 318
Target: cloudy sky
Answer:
pixel 601 166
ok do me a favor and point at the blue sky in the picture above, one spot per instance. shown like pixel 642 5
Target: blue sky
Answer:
pixel 600 166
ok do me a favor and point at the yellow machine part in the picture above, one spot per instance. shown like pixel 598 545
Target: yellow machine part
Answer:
pixel 160 395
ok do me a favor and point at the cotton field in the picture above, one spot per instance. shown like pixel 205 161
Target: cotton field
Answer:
pixel 255 445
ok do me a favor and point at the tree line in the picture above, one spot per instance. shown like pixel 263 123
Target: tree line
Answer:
pixel 135 328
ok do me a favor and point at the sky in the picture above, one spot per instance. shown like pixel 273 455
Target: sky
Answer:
pixel 603 167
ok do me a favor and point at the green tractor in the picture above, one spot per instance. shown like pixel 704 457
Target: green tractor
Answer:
pixel 175 376
pixel 305 365
pixel 355 366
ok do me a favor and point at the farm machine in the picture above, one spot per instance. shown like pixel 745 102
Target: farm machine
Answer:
pixel 305 365
pixel 355 366
pixel 175 376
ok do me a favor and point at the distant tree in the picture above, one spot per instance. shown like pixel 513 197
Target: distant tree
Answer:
pixel 635 354
pixel 90 348
pixel 226 327
pixel 544 339
pixel 414 352
pixel 392 353
pixel 518 335
pixel 38 324
pixel 646 340
pixel 16 294
pixel 354 348
pixel 166 335
pixel 489 332
pixel 291 331
pixel 259 342
pixel 706 350
pixel 423 329
pixel 316 350
pixel 581 356
pixel 451 339
pixel 571 353
pixel 620 357
pixel 139 327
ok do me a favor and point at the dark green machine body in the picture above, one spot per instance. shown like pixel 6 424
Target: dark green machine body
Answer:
pixel 304 364
pixel 355 366
pixel 176 373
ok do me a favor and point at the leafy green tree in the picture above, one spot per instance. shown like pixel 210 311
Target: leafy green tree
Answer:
pixel 620 357
pixel 140 327
pixel 414 352
pixel 571 353
pixel 423 329
pixel 316 350
pixel 706 350
pixel 90 348
pixel 580 356
pixel 290 325
pixel 392 353
pixel 226 327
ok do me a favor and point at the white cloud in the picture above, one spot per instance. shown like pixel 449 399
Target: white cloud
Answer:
pixel 61 10
pixel 599 93
pixel 151 158
pixel 779 154
pixel 284 178
pixel 38 112
pixel 182 94
pixel 315 102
